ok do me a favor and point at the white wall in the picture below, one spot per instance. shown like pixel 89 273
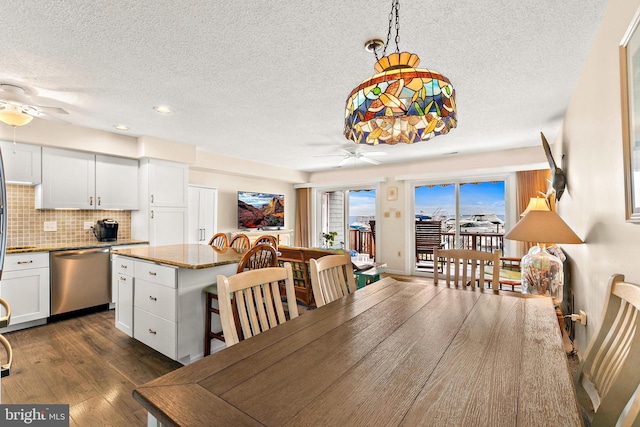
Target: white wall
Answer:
pixel 594 203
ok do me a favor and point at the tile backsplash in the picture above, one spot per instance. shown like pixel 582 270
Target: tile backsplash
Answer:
pixel 26 223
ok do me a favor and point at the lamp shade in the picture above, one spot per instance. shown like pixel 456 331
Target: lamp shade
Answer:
pixel 12 115
pixel 536 204
pixel 400 104
pixel 542 227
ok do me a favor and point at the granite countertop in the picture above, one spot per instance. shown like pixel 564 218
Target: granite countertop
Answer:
pixel 48 247
pixel 192 256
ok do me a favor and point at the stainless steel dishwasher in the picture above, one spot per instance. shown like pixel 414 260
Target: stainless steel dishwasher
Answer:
pixel 79 279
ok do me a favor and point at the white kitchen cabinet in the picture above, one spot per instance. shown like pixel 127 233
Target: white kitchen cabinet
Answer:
pixel 78 180
pixel 25 286
pixel 68 180
pixel 202 202
pixel 162 217
pixel 22 162
pixel 116 183
pixel 122 288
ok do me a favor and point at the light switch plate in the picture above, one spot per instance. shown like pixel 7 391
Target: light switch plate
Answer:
pixel 88 225
pixel 50 226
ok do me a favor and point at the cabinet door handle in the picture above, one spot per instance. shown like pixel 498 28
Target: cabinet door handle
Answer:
pixel 151 331
pixel 90 200
pixel 152 198
pixel 152 273
pixel 25 262
pixel 151 214
pixel 153 298
pixel 99 202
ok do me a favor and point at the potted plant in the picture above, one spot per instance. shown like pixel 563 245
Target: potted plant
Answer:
pixel 329 238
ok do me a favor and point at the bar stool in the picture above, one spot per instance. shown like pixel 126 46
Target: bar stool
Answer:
pixel 211 294
pixel 259 256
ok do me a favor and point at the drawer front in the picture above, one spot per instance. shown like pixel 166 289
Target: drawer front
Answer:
pixel 155 299
pixel 160 274
pixel 25 261
pixel 156 332
pixel 123 265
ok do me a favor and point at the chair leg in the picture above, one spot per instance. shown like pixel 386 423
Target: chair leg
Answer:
pixel 208 333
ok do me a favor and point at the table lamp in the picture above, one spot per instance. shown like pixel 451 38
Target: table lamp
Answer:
pixel 542 273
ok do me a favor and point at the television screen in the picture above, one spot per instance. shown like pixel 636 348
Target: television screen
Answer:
pixel 260 210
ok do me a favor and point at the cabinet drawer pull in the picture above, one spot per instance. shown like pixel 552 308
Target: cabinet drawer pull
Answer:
pixel 123 279
pixel 153 298
pixel 124 267
pixel 25 262
pixel 151 331
pixel 152 273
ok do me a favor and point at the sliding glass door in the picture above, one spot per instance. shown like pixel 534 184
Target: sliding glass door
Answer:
pixel 466 214
pixel 348 219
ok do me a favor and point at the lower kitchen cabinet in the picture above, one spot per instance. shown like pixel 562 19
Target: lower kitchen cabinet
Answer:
pixel 25 286
pixel 122 289
pixel 167 308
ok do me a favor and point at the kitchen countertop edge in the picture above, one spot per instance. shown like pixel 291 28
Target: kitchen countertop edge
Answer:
pixel 71 246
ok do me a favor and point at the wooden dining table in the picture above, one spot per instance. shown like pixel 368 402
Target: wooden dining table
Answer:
pixel 392 353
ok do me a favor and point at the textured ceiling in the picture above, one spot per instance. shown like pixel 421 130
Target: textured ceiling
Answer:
pixel 267 80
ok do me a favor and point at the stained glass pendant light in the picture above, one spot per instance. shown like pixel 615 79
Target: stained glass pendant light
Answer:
pixel 401 103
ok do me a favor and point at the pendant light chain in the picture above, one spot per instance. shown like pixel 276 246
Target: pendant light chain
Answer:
pixel 395 7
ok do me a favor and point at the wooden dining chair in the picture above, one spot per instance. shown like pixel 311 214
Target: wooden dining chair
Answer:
pixel 258 301
pixel 464 267
pixel 240 242
pixel 268 239
pixel 260 256
pixel 608 379
pixel 331 278
pixel 219 240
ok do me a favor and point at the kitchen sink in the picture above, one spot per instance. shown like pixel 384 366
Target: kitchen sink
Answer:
pixel 16 248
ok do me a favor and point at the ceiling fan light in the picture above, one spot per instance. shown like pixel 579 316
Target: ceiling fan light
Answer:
pixel 14 117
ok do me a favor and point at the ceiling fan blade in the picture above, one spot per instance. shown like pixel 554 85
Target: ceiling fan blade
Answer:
pixel 374 153
pixel 344 161
pixel 50 110
pixel 368 160
pixel 50 118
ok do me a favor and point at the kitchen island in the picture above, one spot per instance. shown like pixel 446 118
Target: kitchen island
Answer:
pixel 159 294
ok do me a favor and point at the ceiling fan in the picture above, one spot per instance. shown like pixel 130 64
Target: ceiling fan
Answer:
pixel 355 153
pixel 18 107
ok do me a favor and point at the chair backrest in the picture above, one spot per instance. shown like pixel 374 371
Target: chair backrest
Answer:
pixel 608 378
pixel 219 240
pixel 428 236
pixel 256 294
pixel 268 239
pixel 259 256
pixel 462 267
pixel 331 278
pixel 240 242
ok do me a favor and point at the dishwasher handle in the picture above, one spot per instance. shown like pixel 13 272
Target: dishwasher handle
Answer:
pixel 80 253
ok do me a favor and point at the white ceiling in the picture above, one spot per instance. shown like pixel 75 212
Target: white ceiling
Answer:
pixel 267 80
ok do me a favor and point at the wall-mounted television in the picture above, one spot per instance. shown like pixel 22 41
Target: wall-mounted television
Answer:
pixel 260 210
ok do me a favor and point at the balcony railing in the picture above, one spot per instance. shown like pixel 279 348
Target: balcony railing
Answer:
pixel 362 241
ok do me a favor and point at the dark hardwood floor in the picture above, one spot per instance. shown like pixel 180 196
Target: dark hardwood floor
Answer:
pixel 84 362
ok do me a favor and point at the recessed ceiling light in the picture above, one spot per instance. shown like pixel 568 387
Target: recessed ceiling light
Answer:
pixel 162 109
pixel 121 127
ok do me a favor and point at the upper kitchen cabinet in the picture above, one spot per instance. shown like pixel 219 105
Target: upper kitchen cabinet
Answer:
pixel 162 217
pixel 167 182
pixel 78 180
pixel 22 162
pixel 116 183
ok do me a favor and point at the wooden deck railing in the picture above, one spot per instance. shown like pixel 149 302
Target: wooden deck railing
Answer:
pixel 362 241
